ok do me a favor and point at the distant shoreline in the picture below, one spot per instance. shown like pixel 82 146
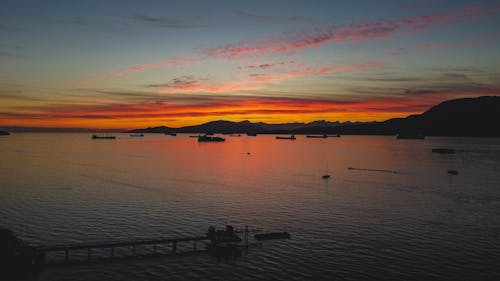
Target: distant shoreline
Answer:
pixel 466 117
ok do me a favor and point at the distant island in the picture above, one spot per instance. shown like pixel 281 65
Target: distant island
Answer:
pixel 467 117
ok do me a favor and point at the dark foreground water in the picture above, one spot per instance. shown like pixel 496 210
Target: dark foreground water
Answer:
pixel 417 224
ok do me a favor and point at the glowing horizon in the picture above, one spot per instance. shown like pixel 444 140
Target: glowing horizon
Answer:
pixel 145 64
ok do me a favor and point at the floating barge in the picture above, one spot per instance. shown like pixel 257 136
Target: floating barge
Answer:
pixel 410 136
pixel 272 235
pixel 444 150
pixel 94 137
pixel 207 138
pixel 324 136
pixel 292 137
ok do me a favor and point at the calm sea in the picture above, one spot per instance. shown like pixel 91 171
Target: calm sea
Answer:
pixel 415 223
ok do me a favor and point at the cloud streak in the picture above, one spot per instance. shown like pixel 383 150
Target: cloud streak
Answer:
pixel 254 81
pixel 164 22
pixel 292 42
pixel 189 84
pixel 349 33
pixel 307 70
pixel 173 62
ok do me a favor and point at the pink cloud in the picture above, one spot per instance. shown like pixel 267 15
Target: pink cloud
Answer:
pixel 252 48
pixel 472 42
pixel 312 70
pixel 349 33
pixel 147 66
pixel 268 65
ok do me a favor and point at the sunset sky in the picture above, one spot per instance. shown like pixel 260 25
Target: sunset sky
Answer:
pixel 131 64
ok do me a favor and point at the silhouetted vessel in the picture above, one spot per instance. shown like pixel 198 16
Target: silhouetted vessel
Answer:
pixel 453 172
pixel 4 133
pixel 171 134
pixel 137 135
pixel 272 235
pixel 94 137
pixel 326 176
pixel 292 137
pixel 411 136
pixel 207 138
pixel 444 150
pixel 324 136
pixel 252 134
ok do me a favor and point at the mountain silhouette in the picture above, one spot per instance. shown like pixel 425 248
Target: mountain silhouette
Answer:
pixel 459 117
pixel 228 127
pixel 468 117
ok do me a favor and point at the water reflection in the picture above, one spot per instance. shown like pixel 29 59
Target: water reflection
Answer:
pixel 357 225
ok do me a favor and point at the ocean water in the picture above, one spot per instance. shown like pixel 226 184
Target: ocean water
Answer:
pixel 412 221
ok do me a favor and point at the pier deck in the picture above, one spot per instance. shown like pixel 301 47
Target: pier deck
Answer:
pixel 215 238
pixel 67 248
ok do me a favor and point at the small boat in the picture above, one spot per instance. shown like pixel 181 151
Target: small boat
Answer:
pixel 453 172
pixel 171 134
pixel 272 235
pixel 325 176
pixel 252 134
pixel 197 136
pixel 94 137
pixel 137 135
pixel 292 137
pixel 411 136
pixel 207 138
pixel 444 150
pixel 324 136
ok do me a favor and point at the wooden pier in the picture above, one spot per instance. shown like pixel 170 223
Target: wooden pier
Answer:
pixel 131 245
pixel 215 239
